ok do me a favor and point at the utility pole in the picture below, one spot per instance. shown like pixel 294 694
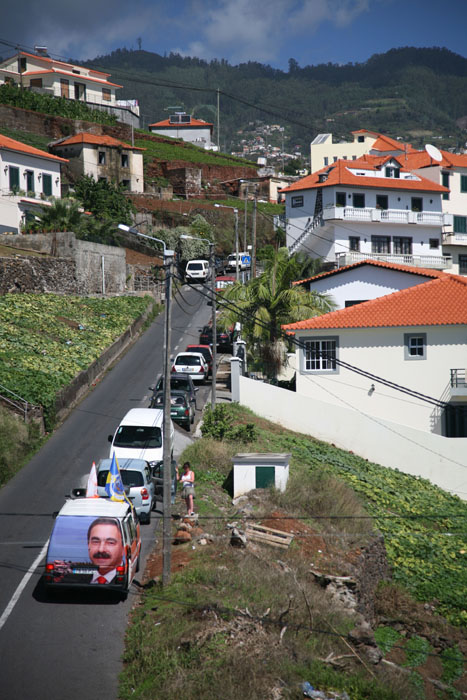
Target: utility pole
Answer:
pixel 212 260
pixel 167 455
pixel 218 121
pixel 245 218
pixel 237 272
pixel 253 242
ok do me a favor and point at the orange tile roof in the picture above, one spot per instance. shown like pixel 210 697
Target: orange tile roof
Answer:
pixel 439 302
pixel 98 140
pixel 192 122
pixel 386 143
pixel 339 174
pixel 53 60
pixel 421 159
pixel 12 145
pixel 72 75
pixel 422 271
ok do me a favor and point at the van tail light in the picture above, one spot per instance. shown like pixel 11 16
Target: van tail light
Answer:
pixel 144 494
pixel 173 368
pixel 187 412
pixel 120 577
pixel 49 567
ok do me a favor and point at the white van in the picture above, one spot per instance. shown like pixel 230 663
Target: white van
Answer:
pixel 197 271
pixel 139 436
pixel 231 265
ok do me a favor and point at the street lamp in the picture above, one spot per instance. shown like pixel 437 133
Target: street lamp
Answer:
pixel 235 211
pixel 212 264
pixel 166 450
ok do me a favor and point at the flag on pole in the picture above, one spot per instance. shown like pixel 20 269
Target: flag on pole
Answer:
pixel 114 485
pixel 91 489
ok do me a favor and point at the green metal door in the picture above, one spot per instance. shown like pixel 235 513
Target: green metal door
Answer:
pixel 265 477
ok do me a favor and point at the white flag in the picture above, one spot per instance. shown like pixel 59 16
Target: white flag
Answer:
pixel 91 489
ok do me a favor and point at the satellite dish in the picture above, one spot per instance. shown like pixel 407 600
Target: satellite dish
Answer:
pixel 433 152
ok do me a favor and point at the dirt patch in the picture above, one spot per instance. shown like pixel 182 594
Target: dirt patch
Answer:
pixel 180 557
pixel 133 257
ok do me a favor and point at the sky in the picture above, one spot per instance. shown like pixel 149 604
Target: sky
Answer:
pixel 267 31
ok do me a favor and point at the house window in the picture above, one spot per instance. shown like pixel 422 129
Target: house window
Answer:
pixel 320 355
pixel 29 180
pixel 47 184
pixel 126 184
pixel 64 87
pixel 380 244
pixel 296 201
pixel 22 64
pixel 340 199
pixel 106 94
pixel 354 157
pixel 352 302
pixel 354 243
pixel 101 157
pixel 361 139
pixel 460 224
pixel 402 245
pixel 462 264
pixel 434 243
pixel 358 200
pixel 414 346
pixel 455 420
pixel 463 183
pixel 445 183
pixel 381 201
pixel 36 82
pixel 80 91
pixel 326 160
pixel 417 203
pixel 14 178
pixel 392 172
pixel 125 160
pixel 334 160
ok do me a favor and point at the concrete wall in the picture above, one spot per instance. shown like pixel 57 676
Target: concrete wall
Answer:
pixel 88 259
pixel 438 459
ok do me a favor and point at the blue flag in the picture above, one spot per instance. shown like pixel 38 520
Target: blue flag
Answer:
pixel 114 485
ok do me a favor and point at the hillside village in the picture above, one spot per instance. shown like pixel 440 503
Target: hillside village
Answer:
pixel 377 226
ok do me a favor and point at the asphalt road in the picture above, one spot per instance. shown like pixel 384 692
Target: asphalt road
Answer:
pixel 71 646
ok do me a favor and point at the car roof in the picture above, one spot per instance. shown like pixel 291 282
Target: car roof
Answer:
pixel 198 345
pixel 124 463
pixel 197 261
pixel 95 506
pixel 180 354
pixel 147 417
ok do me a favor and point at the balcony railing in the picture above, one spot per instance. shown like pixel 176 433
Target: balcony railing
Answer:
pixel 436 262
pixel 455 238
pixel 459 383
pixel 397 216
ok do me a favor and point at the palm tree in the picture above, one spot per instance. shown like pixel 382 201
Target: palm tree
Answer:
pixel 62 215
pixel 267 302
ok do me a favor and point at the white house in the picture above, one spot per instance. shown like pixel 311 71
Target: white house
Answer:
pixel 185 127
pixel 371 207
pixel 29 177
pixel 57 78
pixel 365 280
pixel 103 158
pixel 400 358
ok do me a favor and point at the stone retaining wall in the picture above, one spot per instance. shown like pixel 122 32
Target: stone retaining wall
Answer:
pixel 33 274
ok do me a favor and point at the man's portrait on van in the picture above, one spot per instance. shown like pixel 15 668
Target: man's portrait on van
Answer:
pixel 105 548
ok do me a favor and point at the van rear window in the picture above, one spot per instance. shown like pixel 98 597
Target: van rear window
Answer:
pixel 138 437
pixel 129 477
pixel 195 266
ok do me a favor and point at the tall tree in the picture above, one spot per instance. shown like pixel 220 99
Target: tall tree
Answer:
pixel 267 302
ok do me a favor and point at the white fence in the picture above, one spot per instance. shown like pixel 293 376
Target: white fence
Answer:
pixel 443 461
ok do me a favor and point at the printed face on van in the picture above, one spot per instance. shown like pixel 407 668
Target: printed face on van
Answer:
pixel 105 544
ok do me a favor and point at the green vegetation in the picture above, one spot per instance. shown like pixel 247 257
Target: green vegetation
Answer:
pixel 18 440
pixel 180 150
pixel 59 106
pixel 36 140
pixel 46 340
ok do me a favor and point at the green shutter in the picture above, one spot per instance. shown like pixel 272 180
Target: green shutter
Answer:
pixel 14 178
pixel 463 183
pixel 460 224
pixel 47 184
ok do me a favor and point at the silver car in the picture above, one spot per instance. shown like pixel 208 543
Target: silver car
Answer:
pixel 137 479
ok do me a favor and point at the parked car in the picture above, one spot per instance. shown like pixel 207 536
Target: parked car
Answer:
pixel 223 338
pixel 192 363
pixel 205 350
pixel 139 436
pixel 181 409
pixel 178 380
pixel 85 527
pixel 137 479
pixel 197 271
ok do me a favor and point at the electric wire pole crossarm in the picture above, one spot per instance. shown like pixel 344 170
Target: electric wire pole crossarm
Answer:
pixel 167 455
pixel 212 264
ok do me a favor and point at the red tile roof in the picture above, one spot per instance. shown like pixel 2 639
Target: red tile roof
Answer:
pixel 97 140
pixel 339 174
pixel 53 60
pixel 12 145
pixel 439 302
pixel 193 122
pixel 421 159
pixel 422 271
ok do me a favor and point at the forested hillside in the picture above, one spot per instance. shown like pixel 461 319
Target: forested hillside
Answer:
pixel 418 94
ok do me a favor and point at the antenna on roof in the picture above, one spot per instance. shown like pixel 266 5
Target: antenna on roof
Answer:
pixel 433 152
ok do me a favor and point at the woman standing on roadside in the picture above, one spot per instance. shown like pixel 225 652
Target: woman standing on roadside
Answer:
pixel 187 479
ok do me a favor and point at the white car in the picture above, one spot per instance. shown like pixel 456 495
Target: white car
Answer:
pixel 197 271
pixel 192 363
pixel 140 436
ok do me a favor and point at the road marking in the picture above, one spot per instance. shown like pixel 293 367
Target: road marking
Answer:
pixel 16 595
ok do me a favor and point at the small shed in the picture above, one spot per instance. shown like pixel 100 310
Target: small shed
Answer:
pixel 260 470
